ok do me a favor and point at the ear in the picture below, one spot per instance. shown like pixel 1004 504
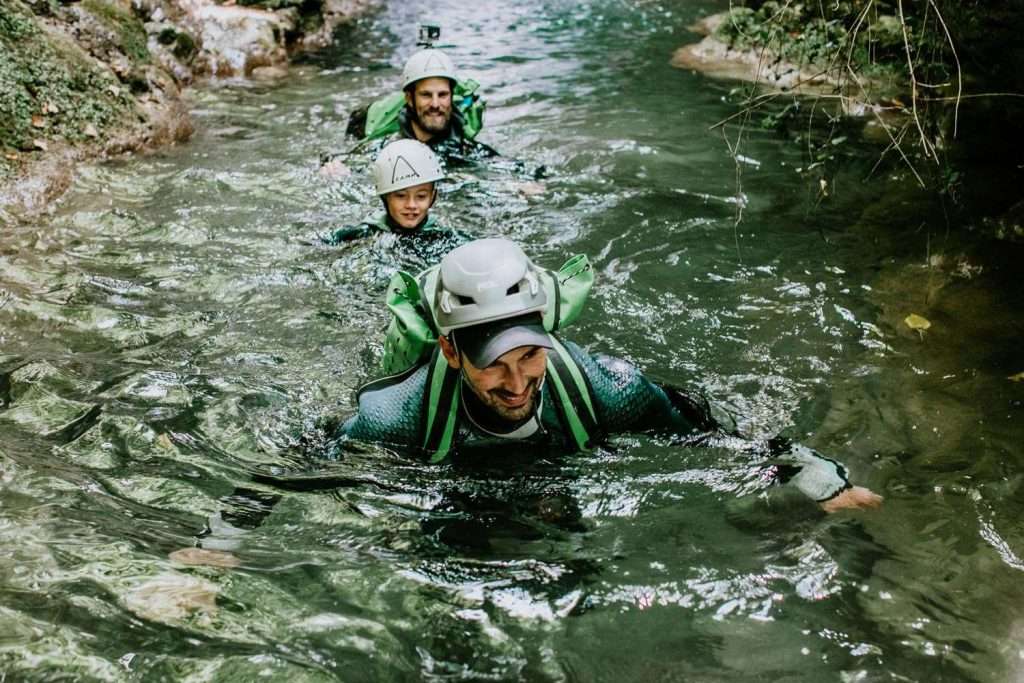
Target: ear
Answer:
pixel 450 353
pixel 408 96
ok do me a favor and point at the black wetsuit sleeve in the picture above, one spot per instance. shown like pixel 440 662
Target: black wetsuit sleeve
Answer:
pixel 390 411
pixel 629 402
pixel 348 234
pixel 626 401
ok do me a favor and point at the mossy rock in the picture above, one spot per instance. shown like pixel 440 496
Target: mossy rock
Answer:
pixel 49 88
pixel 182 45
pixel 304 6
pixel 128 28
pixel 815 37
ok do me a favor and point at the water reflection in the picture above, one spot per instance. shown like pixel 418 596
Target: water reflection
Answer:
pixel 171 339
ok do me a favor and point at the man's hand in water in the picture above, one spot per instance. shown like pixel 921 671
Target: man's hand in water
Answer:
pixel 855 498
pixel 335 168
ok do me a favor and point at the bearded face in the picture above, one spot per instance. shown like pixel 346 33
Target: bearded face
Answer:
pixel 431 101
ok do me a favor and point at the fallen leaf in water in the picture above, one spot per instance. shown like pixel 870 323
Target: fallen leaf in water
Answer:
pixel 164 441
pixel 40 144
pixel 11 156
pixel 90 131
pixel 38 121
pixel 202 556
pixel 916 322
pixel 1019 377
pixel 50 108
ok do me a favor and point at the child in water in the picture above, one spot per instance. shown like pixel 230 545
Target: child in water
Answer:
pixel 406 173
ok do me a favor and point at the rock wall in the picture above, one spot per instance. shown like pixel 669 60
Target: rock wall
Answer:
pixel 81 79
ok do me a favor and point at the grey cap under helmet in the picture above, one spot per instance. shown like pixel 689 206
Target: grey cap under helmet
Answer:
pixel 486 281
pixel 484 344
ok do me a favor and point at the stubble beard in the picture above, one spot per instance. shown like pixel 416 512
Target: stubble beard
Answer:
pixel 507 414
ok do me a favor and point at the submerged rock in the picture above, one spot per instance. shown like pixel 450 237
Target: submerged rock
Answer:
pixel 269 73
pixel 172 597
pixel 205 557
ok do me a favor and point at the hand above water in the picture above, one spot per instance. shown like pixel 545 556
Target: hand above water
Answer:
pixel 856 498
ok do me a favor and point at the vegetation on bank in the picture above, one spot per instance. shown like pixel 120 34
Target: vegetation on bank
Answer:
pixel 830 41
pixel 940 79
pixel 80 78
pixel 51 89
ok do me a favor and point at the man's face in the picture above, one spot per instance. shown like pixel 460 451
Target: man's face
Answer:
pixel 510 385
pixel 431 100
pixel 408 207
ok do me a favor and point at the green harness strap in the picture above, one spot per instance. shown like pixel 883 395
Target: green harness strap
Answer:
pixel 442 398
pixel 574 400
pixel 574 395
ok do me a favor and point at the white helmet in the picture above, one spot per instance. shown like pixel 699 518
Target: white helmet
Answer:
pixel 405 163
pixel 484 281
pixel 429 63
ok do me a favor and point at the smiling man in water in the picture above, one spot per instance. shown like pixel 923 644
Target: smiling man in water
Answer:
pixel 498 376
pixel 429 115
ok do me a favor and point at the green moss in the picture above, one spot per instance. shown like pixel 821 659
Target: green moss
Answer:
pixel 820 38
pixel 129 29
pixel 278 4
pixel 52 79
pixel 181 44
pixel 16 25
pixel 166 36
pixel 184 47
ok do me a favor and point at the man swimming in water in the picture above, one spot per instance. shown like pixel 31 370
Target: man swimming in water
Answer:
pixel 498 377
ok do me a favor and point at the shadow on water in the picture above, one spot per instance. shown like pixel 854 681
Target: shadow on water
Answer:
pixel 175 345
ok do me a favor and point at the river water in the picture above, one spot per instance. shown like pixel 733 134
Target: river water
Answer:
pixel 174 333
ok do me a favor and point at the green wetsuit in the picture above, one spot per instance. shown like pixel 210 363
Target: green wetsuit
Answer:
pixel 392 412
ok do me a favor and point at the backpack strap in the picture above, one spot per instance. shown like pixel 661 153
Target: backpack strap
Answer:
pixel 575 396
pixel 440 408
pixel 557 299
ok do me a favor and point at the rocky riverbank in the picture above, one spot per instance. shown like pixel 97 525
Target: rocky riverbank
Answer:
pixel 736 45
pixel 87 79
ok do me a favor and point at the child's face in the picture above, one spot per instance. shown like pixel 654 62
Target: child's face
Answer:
pixel 408 207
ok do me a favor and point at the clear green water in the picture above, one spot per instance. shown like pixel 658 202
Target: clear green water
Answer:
pixel 171 331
